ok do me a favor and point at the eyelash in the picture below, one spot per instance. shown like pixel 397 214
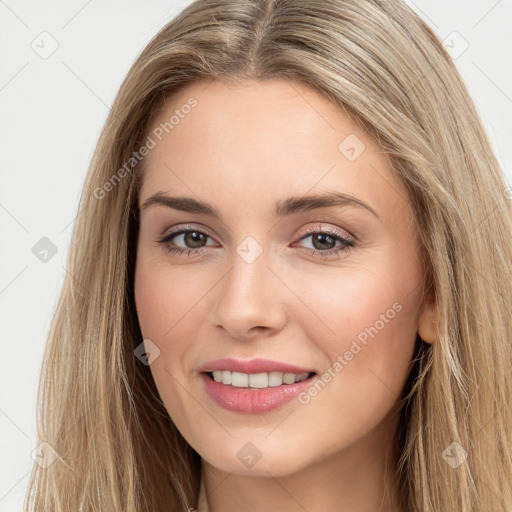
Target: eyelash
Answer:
pixel 346 243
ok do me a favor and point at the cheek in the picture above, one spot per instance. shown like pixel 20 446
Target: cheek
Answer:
pixel 165 308
pixel 368 332
pixel 361 304
pixel 171 309
pixel 165 300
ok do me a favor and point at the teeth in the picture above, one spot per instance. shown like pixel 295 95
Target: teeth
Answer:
pixel 239 380
pixel 275 379
pixel 257 380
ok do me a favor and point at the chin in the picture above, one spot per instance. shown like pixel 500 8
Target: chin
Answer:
pixel 257 458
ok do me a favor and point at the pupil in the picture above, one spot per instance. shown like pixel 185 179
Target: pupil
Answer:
pixel 194 237
pixel 322 237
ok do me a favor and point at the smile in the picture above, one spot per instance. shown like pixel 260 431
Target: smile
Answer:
pixel 254 393
pixel 257 380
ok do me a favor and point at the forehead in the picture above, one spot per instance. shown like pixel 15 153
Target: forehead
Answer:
pixel 263 140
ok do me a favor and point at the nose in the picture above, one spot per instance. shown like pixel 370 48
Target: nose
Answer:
pixel 251 300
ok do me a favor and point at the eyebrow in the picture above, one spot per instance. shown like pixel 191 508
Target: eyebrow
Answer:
pixel 281 208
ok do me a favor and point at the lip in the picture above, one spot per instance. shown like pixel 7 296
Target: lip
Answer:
pixel 253 400
pixel 258 365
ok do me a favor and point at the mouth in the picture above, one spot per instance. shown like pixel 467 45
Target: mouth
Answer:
pixel 261 380
pixel 254 393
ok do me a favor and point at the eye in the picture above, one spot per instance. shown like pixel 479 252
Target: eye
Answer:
pixel 193 238
pixel 326 243
pixel 330 237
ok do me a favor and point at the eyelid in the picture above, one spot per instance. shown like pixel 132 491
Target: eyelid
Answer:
pixel 187 227
pixel 335 231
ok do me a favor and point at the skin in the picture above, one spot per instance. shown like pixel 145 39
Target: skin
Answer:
pixel 241 149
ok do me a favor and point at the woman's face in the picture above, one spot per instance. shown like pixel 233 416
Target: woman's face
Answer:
pixel 306 255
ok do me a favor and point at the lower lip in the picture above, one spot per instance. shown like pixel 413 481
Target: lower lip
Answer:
pixel 253 400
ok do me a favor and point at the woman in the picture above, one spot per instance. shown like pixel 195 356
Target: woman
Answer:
pixel 209 352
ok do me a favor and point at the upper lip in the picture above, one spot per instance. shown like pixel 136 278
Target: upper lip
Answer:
pixel 252 366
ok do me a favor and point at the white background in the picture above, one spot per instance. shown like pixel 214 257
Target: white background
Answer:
pixel 51 113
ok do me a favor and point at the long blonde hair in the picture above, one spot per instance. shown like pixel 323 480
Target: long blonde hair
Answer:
pixel 99 408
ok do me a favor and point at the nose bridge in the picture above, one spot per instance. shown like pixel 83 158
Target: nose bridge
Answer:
pixel 248 296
